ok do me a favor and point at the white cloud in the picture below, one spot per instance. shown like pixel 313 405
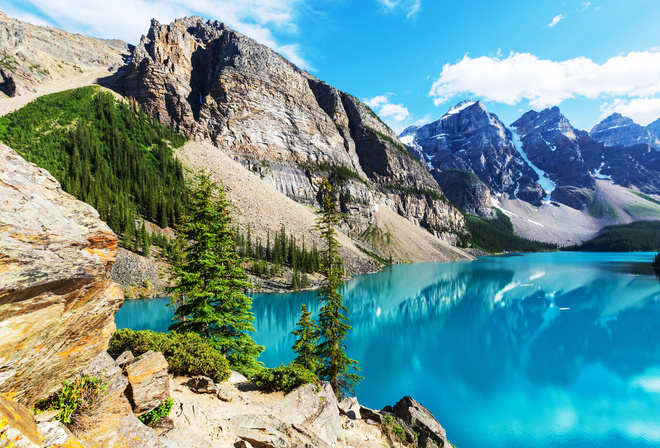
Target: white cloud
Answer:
pixel 556 20
pixel 585 6
pixel 396 116
pixel 544 83
pixel 411 7
pixel 642 110
pixel 129 19
pixel 382 106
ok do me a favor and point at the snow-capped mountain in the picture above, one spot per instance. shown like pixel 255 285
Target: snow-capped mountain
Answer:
pixel 541 158
pixel 469 138
pixel 617 130
pixel 551 144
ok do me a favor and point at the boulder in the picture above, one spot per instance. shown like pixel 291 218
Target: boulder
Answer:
pixel 202 385
pixel 149 383
pixel 225 393
pixel 125 358
pixel 350 407
pixel 54 434
pixel 370 414
pixel 17 425
pixel 112 424
pixel 421 421
pixel 314 406
pixel 267 431
pixel 57 304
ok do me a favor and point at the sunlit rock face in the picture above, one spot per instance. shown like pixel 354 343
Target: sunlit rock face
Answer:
pixel 278 120
pixel 57 304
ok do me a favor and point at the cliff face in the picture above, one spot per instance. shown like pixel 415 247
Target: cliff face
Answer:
pixel 34 55
pixel 213 83
pixel 57 304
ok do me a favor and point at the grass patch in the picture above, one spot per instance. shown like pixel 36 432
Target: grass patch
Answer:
pixel 645 196
pixel 374 255
pixel 75 399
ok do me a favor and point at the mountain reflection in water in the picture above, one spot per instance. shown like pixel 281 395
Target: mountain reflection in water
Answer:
pixel 540 350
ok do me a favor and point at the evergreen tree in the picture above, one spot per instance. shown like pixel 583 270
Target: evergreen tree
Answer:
pixel 305 345
pixel 333 322
pixel 210 280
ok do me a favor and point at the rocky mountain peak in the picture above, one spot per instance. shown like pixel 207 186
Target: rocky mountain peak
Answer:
pixel 549 122
pixel 618 130
pixel 211 82
pixel 470 139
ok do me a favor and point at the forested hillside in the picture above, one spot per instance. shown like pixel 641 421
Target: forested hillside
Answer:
pixel 105 152
pixel 640 236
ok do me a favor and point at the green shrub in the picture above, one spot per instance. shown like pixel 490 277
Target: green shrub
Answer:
pixel 151 417
pixel 284 378
pixel 75 398
pixel 186 354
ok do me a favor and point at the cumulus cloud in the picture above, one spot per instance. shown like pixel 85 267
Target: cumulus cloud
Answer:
pixel 383 107
pixel 642 110
pixel 556 20
pixel 396 116
pixel 129 19
pixel 544 83
pixel 411 7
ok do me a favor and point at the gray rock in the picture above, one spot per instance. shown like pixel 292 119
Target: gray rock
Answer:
pixel 421 421
pixel 125 358
pixel 370 414
pixel 112 422
pixel 236 377
pixel 184 437
pixel 149 382
pixel 202 385
pixel 55 434
pixel 350 407
pixel 224 393
pixel 267 431
pixel 314 407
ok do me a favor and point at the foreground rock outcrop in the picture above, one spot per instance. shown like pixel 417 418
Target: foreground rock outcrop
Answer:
pixel 57 304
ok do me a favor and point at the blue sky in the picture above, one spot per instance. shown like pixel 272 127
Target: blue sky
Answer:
pixel 411 60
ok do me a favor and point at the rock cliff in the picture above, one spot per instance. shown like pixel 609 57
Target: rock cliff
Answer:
pixel 279 121
pixel 31 56
pixel 57 304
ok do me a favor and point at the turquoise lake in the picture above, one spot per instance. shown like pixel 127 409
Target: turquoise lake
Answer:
pixel 535 350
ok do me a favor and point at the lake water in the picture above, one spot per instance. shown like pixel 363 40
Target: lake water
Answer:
pixel 537 350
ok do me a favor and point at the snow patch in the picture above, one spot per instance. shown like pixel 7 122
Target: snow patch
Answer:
pixel 408 140
pixel 597 174
pixel 536 223
pixel 544 180
pixel 459 107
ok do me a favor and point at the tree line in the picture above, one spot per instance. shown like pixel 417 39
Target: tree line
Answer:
pixel 105 152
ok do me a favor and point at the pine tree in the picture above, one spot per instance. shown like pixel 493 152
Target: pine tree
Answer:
pixel 210 280
pixel 305 345
pixel 333 322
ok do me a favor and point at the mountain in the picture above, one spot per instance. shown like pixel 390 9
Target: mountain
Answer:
pixel 32 56
pixel 551 144
pixel 617 130
pixel 541 171
pixel 279 121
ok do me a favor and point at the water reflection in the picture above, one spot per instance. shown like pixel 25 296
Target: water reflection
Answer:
pixel 538 350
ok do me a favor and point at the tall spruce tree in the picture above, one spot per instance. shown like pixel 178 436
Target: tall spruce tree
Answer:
pixel 305 345
pixel 333 321
pixel 210 280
